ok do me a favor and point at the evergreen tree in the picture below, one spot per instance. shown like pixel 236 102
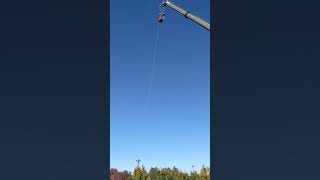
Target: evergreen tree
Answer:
pixel 154 173
pixel 194 175
pixel 204 173
pixel 140 173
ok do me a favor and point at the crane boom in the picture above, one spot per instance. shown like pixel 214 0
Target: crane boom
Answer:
pixel 187 14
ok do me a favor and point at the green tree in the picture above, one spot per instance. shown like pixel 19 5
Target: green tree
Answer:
pixel 167 174
pixel 194 175
pixel 154 173
pixel 204 173
pixel 181 176
pixel 140 173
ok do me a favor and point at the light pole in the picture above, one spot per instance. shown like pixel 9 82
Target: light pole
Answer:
pixel 138 161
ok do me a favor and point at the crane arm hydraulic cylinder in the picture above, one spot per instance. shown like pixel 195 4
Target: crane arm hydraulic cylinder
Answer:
pixel 187 15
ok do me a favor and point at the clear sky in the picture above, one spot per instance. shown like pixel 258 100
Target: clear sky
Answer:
pixel 173 128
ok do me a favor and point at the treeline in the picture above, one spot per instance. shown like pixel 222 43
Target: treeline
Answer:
pixel 140 173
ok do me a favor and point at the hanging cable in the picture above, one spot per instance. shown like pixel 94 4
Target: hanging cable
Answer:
pixel 154 60
pixel 153 71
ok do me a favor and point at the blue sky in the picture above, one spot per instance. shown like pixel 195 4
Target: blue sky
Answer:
pixel 173 128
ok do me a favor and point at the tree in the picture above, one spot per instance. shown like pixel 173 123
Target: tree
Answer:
pixel 116 175
pixel 204 173
pixel 140 173
pixel 167 174
pixel 154 173
pixel 181 176
pixel 194 175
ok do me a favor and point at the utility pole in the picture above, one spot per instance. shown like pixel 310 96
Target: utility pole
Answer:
pixel 186 14
pixel 138 161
